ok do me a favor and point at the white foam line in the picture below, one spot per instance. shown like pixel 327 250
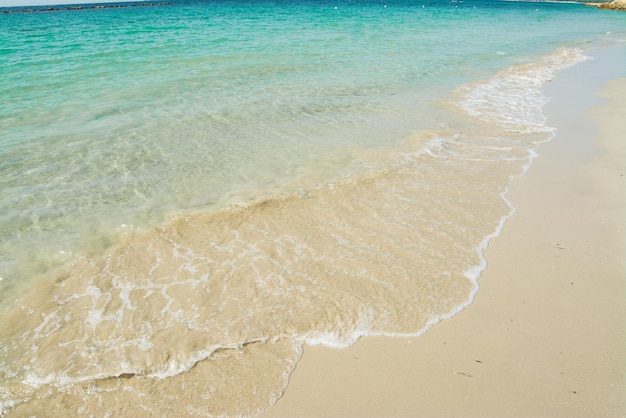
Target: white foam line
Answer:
pixel 474 272
pixel 362 327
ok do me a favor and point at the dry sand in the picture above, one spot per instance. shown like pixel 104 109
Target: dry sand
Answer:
pixel 546 335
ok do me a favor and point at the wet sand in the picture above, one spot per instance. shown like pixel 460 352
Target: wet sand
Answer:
pixel 546 334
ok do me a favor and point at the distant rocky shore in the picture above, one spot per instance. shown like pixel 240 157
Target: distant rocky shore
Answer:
pixel 83 7
pixel 611 5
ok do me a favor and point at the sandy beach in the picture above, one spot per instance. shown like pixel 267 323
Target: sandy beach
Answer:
pixel 545 335
pixel 197 196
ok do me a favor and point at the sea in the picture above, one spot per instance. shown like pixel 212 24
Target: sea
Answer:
pixel 192 191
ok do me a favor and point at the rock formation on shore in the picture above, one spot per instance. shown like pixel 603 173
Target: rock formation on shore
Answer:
pixel 4 10
pixel 611 5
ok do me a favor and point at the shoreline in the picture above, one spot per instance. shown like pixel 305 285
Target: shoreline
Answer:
pixel 543 336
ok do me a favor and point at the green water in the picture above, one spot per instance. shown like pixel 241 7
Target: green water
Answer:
pixel 186 179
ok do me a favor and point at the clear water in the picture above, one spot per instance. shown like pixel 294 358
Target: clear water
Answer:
pixel 176 178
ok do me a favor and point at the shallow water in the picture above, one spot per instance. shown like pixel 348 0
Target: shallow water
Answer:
pixel 191 192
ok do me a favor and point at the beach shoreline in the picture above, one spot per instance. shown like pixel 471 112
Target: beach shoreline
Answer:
pixel 181 218
pixel 545 335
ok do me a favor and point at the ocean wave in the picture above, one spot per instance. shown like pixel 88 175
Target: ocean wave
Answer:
pixel 217 304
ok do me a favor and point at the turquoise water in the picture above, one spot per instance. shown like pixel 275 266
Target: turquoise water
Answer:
pixel 117 121
pixel 118 116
